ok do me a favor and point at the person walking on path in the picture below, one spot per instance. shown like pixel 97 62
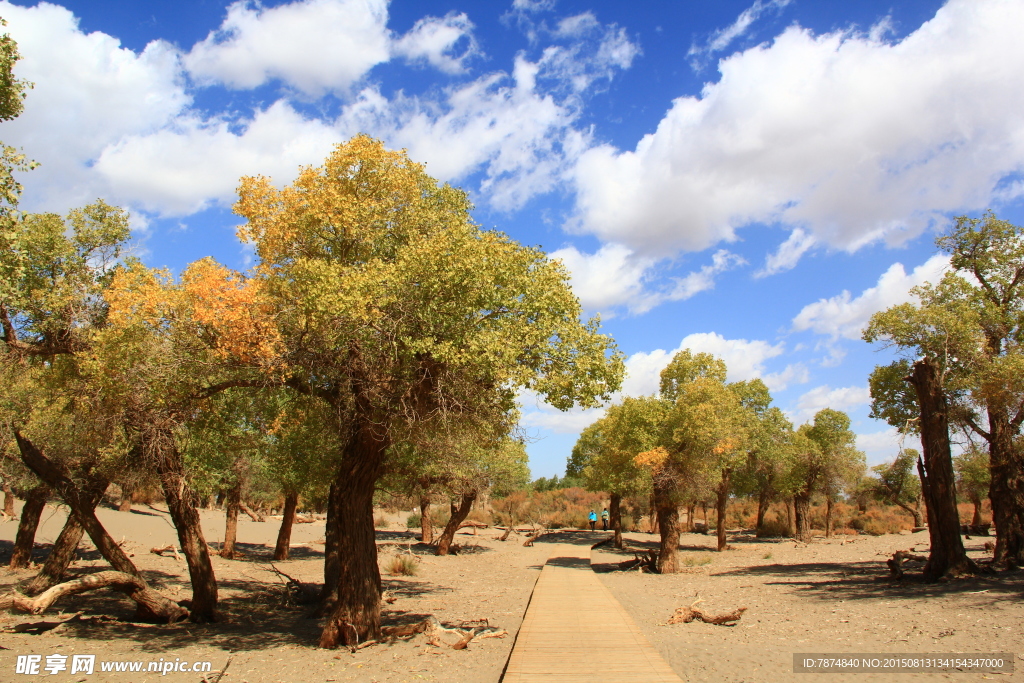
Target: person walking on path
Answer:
pixel 604 519
pixel 593 520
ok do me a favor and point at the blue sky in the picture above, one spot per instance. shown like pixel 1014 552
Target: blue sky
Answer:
pixel 748 179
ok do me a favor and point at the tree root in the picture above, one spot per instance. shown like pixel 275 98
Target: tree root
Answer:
pixel 134 587
pixel 684 615
pixel 643 561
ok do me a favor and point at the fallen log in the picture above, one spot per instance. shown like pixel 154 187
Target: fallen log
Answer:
pixel 254 516
pixel 684 615
pixel 896 562
pixel 439 635
pixel 132 586
pixel 161 551
pixel 528 543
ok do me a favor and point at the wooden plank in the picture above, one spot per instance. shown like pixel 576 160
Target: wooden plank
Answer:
pixel 576 631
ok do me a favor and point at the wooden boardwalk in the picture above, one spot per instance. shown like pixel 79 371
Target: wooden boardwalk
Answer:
pixel 575 630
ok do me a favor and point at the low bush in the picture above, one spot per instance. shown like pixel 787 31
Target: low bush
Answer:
pixel 413 522
pixel 773 527
pixel 402 565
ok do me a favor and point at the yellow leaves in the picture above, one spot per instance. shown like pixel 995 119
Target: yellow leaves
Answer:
pixel 652 459
pixel 141 295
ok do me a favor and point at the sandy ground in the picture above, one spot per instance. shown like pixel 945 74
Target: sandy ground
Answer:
pixel 823 597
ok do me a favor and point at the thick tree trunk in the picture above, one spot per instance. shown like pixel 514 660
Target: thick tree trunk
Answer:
pixel 914 512
pixel 615 511
pixel 234 501
pixel 284 535
pixel 721 503
pixel 790 517
pixel 8 500
pixel 63 551
pixel 332 550
pixel 426 526
pixel 802 515
pixel 947 556
pixel 126 498
pixel 691 510
pixel 355 617
pixel 976 518
pixel 151 604
pixel 182 503
pixel 24 541
pixel 1005 490
pixel 459 515
pixel 668 524
pixel 131 585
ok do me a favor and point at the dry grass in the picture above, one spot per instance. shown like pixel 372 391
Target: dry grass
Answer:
pixel 402 565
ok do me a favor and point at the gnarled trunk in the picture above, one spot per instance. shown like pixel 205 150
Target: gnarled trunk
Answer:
pixel 31 511
pixel 947 556
pixel 284 535
pixel 668 524
pixel 459 515
pixel 426 527
pixel 151 604
pixel 355 616
pixel 802 513
pixel 763 500
pixel 63 551
pixel 332 550
pixel 182 503
pixel 615 512
pixel 1005 490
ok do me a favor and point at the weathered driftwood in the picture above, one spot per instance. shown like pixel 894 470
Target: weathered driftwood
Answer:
pixel 134 587
pixel 438 635
pixel 684 615
pixel 254 516
pixel 896 561
pixel 528 543
pixel 166 548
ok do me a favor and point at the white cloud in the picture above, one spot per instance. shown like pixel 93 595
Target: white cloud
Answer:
pixel 796 373
pixel 533 5
pixel 788 253
pixel 845 136
pixel 722 38
pixel 614 276
pixel 883 446
pixel 823 397
pixel 843 316
pixel 434 39
pixel 88 92
pixel 313 45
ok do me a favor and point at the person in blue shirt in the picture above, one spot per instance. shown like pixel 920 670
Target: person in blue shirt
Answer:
pixel 593 520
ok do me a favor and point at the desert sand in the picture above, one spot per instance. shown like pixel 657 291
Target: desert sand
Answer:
pixel 826 596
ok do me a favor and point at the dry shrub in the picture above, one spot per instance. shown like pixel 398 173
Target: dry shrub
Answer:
pixel 558 509
pixel 696 560
pixel 478 515
pixel 773 527
pixel 741 513
pixel 402 565
pixel 881 520
pixel 413 521
pixel 381 522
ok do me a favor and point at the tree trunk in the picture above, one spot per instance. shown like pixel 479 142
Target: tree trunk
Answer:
pixel 763 500
pixel 426 527
pixel 126 498
pixel 284 535
pixel 8 500
pixel 1005 490
pixel 668 524
pixel 355 617
pixel 654 515
pixel 828 516
pixel 459 515
pixel 616 518
pixel 802 513
pixel 976 519
pixel 947 556
pixel 790 514
pixel 151 605
pixel 234 500
pixel 133 586
pixel 332 552
pixel 691 510
pixel 915 513
pixel 721 503
pixel 63 551
pixel 31 511
pixel 182 503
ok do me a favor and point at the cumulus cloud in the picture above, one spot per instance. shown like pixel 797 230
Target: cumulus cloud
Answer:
pixel 844 316
pixel 87 93
pixel 845 136
pixel 312 45
pixel 788 253
pixel 883 446
pixel 822 397
pixel 434 40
